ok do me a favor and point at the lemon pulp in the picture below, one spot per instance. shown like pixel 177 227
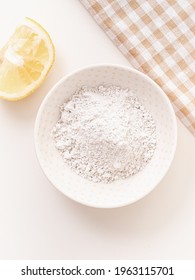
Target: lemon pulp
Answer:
pixel 25 60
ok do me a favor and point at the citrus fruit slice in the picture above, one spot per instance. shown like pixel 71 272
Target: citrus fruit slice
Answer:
pixel 25 60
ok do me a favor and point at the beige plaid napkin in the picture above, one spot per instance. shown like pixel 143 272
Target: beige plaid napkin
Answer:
pixel 158 38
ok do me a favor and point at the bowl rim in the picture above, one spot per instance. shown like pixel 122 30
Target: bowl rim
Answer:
pixel 126 68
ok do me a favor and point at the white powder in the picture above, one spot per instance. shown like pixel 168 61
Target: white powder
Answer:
pixel 105 133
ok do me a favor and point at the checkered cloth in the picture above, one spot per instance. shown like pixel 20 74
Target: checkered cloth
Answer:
pixel 158 38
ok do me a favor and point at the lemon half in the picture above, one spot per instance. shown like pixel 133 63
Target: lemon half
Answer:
pixel 25 60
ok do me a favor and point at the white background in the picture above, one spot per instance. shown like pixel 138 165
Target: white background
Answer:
pixel 36 220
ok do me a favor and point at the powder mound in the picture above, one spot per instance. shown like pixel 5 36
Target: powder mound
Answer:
pixel 105 134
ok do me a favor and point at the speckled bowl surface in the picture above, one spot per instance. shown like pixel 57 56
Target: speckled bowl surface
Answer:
pixel 121 192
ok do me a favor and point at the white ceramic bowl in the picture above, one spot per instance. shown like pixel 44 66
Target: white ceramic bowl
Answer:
pixel 121 192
